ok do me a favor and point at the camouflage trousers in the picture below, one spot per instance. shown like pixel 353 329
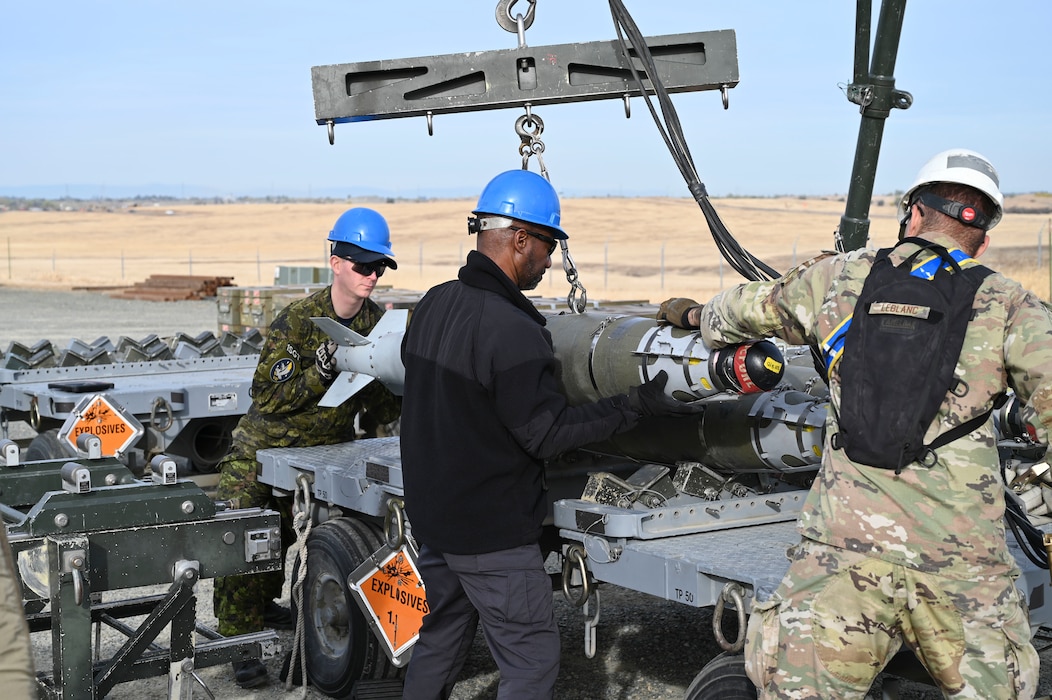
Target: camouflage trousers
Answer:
pixel 17 679
pixel 239 601
pixel 838 617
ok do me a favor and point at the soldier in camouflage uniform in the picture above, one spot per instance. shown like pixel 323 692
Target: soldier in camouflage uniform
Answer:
pixel 295 370
pixel 919 557
pixel 16 656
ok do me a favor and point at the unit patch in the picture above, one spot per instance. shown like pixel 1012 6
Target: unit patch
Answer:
pixel 282 370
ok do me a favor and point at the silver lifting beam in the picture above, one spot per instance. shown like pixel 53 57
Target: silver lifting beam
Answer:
pixel 481 80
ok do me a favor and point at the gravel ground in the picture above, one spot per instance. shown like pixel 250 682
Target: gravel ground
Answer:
pixel 33 315
pixel 648 649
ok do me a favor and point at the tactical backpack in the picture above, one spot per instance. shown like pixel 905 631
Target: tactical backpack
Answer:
pixel 899 356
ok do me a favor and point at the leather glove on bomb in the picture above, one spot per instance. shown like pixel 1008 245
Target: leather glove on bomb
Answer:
pixel 676 312
pixel 650 399
pixel 326 353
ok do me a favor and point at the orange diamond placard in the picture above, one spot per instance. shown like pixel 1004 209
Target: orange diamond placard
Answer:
pixel 98 416
pixel 393 596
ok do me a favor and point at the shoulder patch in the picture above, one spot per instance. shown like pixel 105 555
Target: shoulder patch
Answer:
pixel 282 370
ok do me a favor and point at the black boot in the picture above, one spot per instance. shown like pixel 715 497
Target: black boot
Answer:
pixel 250 673
pixel 278 617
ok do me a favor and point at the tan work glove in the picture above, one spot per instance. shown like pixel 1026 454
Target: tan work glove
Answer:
pixel 677 311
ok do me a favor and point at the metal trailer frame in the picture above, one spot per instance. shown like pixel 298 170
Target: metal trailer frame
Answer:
pixel 702 553
pixel 165 397
pixel 694 565
pixel 203 386
pixel 74 541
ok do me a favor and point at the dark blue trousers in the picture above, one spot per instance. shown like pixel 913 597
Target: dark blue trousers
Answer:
pixel 512 596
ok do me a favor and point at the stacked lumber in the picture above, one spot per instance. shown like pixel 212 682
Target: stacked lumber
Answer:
pixel 173 288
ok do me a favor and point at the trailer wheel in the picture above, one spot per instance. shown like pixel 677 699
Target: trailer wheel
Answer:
pixel 205 442
pixel 341 648
pixel 47 445
pixel 723 678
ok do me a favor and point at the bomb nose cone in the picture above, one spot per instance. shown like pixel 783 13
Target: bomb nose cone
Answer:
pixel 748 368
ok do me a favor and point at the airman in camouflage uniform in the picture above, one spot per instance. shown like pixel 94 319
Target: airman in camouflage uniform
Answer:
pixel 293 374
pixel 919 557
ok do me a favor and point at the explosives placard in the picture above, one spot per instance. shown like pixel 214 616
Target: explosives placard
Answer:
pixel 390 592
pixel 96 415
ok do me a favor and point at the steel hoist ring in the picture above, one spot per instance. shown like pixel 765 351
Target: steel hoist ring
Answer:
pixel 395 516
pixel 575 555
pixel 301 506
pixel 74 564
pixel 160 404
pixel 526 136
pixel 736 593
pixel 509 22
pixel 34 414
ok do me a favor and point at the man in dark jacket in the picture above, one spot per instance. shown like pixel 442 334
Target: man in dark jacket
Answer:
pixel 481 411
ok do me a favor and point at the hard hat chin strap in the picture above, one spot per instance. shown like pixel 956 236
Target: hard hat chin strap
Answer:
pixel 905 223
pixel 965 213
pixel 477 224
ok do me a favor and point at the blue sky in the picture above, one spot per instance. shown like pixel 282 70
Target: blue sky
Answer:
pixel 115 97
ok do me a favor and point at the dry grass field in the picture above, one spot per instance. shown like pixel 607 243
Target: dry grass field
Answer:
pixel 624 248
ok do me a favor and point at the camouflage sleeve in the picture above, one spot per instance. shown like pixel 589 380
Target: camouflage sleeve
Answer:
pixel 286 379
pixel 783 308
pixel 1028 355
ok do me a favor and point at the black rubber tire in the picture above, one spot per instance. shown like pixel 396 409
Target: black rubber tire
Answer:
pixel 341 648
pixel 47 445
pixel 723 678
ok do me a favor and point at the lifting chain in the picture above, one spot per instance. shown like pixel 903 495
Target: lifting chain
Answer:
pixel 517 23
pixel 576 305
pixel 529 128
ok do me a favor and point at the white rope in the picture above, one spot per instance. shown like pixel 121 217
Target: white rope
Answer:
pixel 301 523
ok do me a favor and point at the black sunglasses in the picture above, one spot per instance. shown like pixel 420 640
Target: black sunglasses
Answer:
pixel 552 243
pixel 366 269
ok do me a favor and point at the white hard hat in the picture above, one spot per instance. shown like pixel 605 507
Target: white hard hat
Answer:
pixel 961 166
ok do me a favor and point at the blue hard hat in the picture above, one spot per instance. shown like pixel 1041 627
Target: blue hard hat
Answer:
pixel 522 195
pixel 364 228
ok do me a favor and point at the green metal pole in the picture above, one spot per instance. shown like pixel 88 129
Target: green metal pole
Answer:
pixel 876 96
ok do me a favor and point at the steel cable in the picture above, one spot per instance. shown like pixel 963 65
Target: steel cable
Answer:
pixel 671 130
